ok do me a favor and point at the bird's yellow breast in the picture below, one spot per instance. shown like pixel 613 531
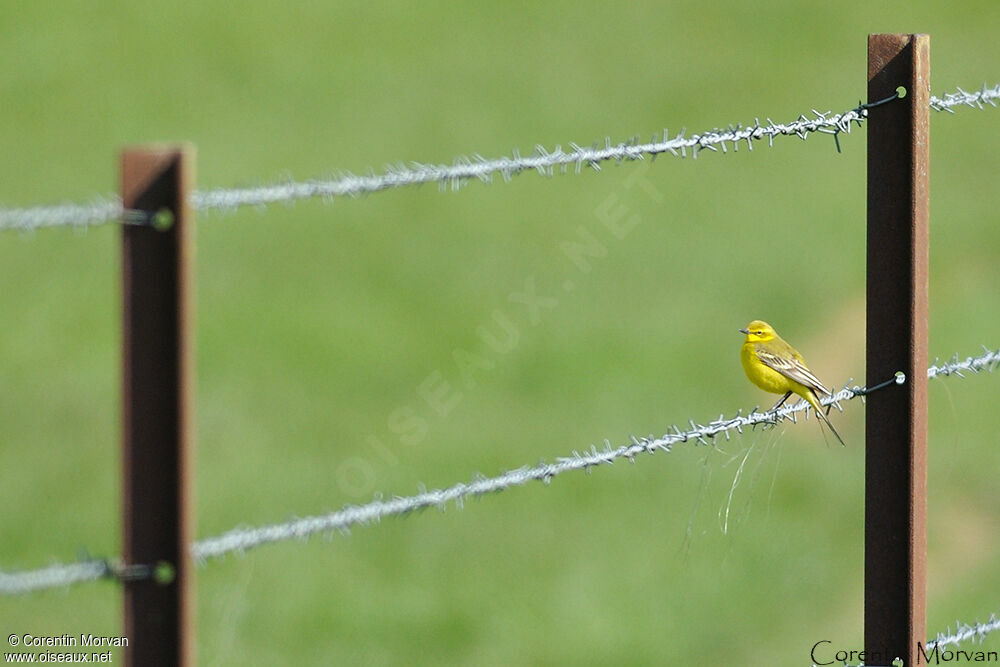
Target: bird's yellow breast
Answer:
pixel 763 376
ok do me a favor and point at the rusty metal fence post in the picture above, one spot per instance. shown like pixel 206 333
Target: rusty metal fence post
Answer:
pixel 157 390
pixel 896 420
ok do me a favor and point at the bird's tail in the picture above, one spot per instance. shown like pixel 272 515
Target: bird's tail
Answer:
pixel 822 414
pixel 813 399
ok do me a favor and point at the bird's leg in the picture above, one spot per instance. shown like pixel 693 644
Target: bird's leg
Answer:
pixel 781 402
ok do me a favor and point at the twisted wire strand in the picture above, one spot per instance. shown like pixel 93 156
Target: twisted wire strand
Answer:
pixel 964 632
pixel 464 169
pixel 242 539
pixel 54 576
pixel 975 100
pixel 98 212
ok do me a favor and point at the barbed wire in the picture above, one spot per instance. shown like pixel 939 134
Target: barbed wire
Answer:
pixel 65 215
pixel 243 539
pixel 962 98
pixel 465 169
pixel 54 576
pixel 964 632
pixel 986 361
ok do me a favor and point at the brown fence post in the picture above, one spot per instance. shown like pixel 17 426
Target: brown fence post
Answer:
pixel 896 419
pixel 157 392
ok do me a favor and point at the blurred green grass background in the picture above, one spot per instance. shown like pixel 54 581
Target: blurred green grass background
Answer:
pixel 319 322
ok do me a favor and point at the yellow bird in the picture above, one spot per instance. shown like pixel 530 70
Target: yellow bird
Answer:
pixel 775 366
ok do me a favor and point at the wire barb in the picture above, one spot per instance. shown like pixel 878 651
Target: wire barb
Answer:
pixel 464 169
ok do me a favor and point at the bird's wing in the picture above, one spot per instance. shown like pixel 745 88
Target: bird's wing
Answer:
pixel 792 369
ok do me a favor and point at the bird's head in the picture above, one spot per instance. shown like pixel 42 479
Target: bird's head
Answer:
pixel 759 331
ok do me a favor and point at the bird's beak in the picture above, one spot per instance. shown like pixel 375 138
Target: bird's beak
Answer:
pixel 744 331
